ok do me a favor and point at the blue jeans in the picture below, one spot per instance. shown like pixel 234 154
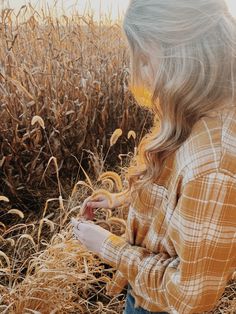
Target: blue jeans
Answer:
pixel 130 309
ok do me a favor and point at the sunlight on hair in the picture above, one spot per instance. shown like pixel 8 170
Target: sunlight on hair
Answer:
pixel 142 96
pixel 232 6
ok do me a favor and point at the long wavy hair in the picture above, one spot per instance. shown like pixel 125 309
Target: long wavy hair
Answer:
pixel 191 45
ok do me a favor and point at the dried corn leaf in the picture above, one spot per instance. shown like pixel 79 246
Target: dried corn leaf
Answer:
pixel 21 87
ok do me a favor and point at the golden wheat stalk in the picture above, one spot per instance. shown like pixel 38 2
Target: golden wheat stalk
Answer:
pixel 16 212
pixel 131 134
pixel 39 120
pixel 102 192
pixel 115 136
pixel 4 198
pixel 113 176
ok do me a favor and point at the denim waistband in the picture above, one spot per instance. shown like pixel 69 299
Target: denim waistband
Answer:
pixel 129 287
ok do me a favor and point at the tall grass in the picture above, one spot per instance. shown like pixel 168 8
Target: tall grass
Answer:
pixel 67 121
pixel 73 73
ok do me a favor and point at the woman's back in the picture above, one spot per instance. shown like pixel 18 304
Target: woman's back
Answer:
pixel 181 217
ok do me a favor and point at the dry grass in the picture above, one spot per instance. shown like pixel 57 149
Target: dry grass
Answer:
pixel 63 86
pixel 44 271
pixel 40 264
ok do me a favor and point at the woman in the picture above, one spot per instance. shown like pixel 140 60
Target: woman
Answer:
pixel 180 246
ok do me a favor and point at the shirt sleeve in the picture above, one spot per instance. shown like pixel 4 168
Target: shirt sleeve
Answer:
pixel 203 232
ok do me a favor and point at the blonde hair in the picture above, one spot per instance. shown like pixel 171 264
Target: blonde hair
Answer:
pixel 195 44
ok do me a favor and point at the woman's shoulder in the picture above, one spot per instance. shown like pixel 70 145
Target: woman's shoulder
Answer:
pixel 210 146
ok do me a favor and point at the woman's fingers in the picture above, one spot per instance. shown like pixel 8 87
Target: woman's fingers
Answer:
pixel 90 203
pixel 83 207
pixel 91 200
pixel 89 214
pixel 95 204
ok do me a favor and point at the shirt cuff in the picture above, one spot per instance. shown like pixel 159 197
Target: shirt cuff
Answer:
pixel 112 248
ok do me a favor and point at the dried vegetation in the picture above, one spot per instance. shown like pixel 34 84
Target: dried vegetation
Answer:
pixel 63 87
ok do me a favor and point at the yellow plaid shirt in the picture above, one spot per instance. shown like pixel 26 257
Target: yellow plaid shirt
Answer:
pixel 179 249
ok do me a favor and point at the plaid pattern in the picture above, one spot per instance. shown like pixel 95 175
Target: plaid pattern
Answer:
pixel 179 249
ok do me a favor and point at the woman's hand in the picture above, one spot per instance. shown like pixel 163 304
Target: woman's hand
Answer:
pixel 91 235
pixel 102 199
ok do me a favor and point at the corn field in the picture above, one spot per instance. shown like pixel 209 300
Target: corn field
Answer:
pixel 68 126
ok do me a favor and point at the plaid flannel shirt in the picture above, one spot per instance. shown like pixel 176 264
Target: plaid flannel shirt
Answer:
pixel 179 249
